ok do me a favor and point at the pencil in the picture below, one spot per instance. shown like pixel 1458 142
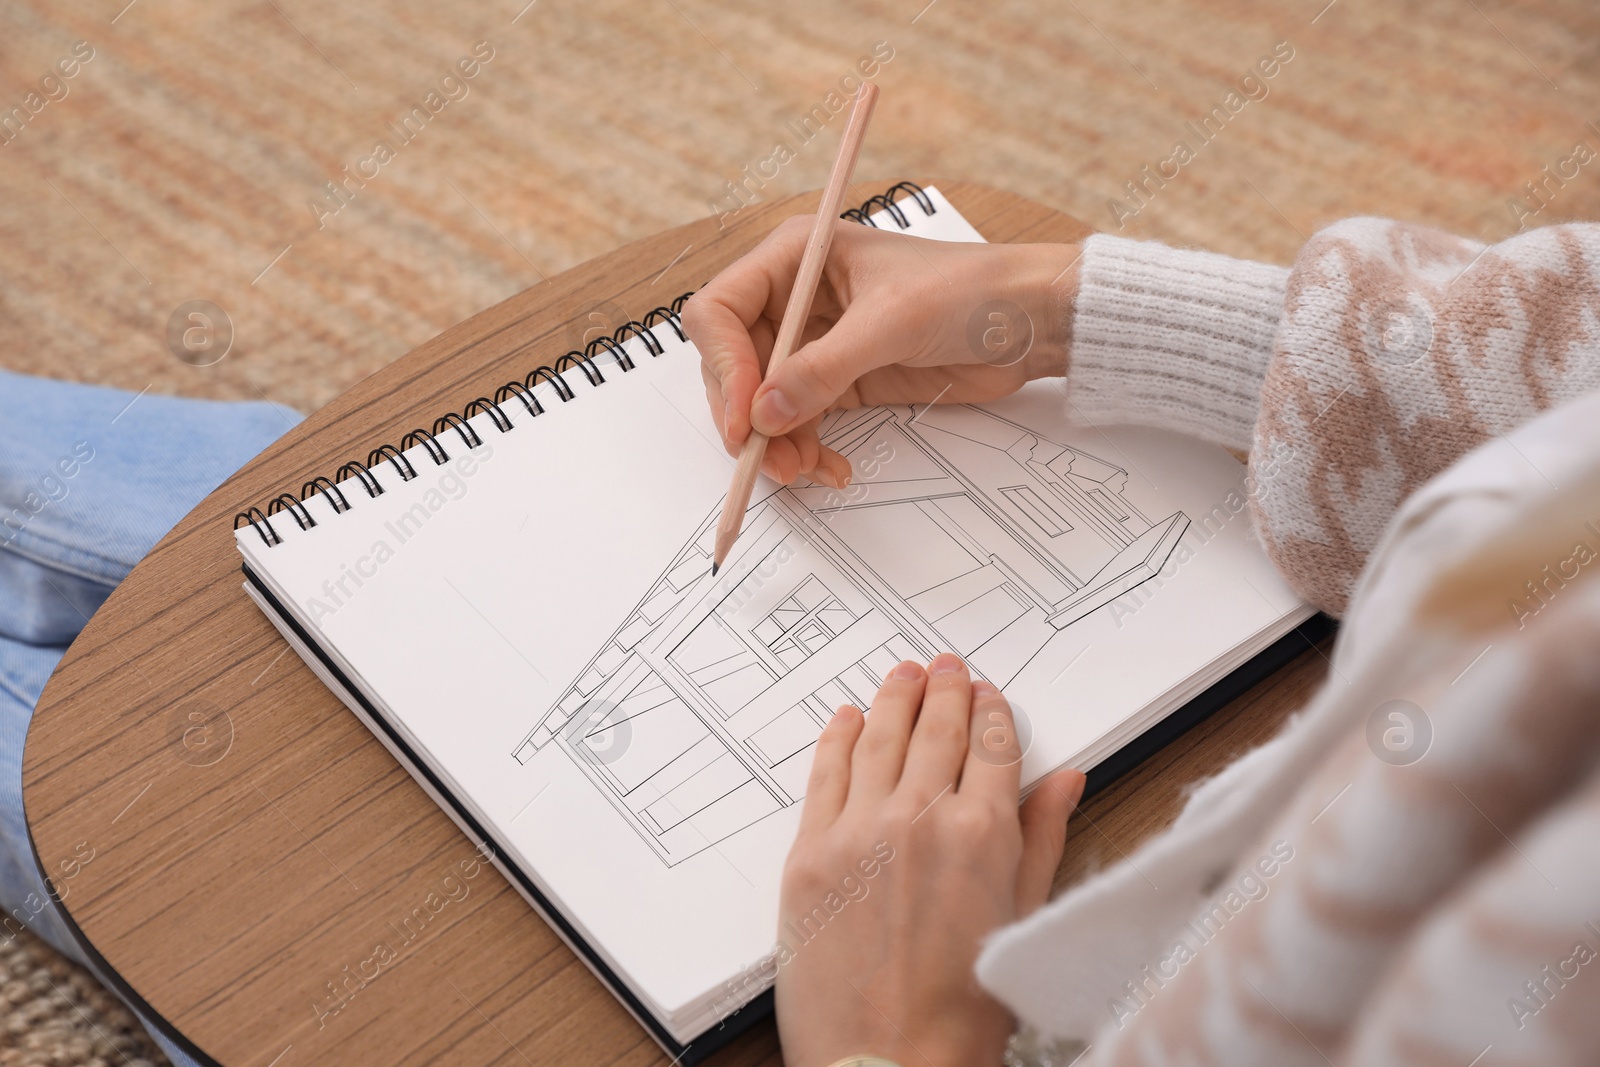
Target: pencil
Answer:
pixel 794 314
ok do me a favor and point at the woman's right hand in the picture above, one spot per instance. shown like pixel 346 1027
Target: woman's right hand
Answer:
pixel 896 320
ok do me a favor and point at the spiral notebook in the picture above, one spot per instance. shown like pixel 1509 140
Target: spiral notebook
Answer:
pixel 518 604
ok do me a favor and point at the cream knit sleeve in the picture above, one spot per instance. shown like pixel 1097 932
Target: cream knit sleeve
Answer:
pixel 1173 337
pixel 1384 354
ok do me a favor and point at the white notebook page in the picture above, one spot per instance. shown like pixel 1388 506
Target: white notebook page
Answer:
pixel 536 617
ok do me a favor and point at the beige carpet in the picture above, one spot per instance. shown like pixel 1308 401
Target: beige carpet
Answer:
pixel 180 162
pixel 53 1013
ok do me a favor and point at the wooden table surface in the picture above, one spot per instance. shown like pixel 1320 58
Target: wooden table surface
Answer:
pixel 250 840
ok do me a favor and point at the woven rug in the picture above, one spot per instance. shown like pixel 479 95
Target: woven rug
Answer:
pixel 227 151
pixel 56 1014
pixel 190 158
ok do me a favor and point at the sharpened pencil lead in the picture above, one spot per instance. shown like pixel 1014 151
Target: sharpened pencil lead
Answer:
pixel 713 569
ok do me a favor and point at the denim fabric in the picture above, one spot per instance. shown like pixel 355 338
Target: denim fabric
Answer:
pixel 90 479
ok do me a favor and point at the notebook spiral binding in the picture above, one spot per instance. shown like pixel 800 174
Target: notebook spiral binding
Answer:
pixel 585 360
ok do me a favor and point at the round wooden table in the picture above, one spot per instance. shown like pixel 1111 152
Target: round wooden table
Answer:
pixel 251 842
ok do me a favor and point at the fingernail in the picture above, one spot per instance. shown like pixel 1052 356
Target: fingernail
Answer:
pixel 982 690
pixel 727 415
pixel 946 663
pixel 907 671
pixel 773 412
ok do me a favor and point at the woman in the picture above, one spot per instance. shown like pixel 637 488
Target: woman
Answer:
pixel 1334 896
pixel 1383 356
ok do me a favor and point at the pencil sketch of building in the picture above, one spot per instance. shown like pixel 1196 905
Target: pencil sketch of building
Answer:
pixel 962 532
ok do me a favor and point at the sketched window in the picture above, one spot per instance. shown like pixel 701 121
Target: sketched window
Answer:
pixel 808 619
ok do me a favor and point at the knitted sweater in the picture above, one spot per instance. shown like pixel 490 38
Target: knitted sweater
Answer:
pixel 1384 354
pixel 1408 873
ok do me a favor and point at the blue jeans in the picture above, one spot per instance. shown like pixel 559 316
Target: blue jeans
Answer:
pixel 90 478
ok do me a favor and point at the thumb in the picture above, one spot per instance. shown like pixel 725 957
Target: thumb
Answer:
pixel 1044 836
pixel 818 373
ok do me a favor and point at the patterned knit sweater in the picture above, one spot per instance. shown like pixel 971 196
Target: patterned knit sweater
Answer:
pixel 1384 354
pixel 1410 872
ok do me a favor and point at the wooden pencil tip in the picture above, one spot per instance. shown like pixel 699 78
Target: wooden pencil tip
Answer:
pixel 714 566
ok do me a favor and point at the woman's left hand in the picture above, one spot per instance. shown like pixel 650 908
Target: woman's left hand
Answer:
pixel 911 850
